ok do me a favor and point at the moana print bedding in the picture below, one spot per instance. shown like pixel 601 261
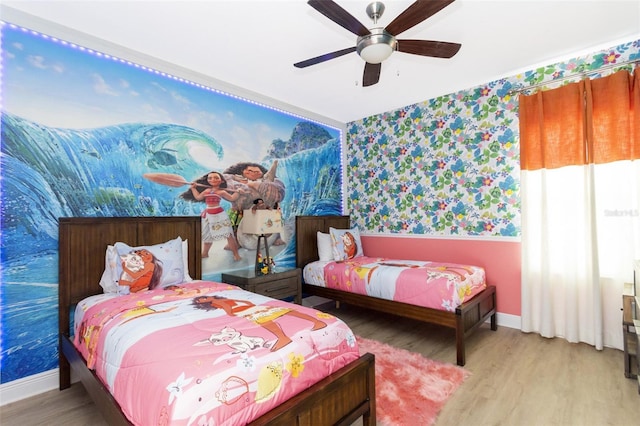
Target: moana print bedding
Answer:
pixel 442 286
pixel 206 353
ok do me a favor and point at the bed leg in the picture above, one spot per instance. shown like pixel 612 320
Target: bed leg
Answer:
pixel 369 418
pixel 494 317
pixel 65 376
pixel 460 358
pixel 460 349
pixel 65 368
pixel 337 304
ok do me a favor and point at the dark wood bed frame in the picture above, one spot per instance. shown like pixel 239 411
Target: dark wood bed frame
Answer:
pixel 467 317
pixel 339 399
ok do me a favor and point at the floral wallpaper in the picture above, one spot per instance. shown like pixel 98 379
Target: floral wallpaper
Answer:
pixel 449 166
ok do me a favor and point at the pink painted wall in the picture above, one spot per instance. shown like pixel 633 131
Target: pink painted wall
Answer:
pixel 501 260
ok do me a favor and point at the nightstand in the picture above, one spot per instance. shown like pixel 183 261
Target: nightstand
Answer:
pixel 638 353
pixel 630 337
pixel 279 285
pixel 637 323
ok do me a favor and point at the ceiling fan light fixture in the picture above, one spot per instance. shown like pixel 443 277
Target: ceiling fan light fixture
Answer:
pixel 377 46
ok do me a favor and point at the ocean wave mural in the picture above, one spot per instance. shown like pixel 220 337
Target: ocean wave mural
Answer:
pixel 80 131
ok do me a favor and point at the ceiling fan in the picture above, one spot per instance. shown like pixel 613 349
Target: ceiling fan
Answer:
pixel 377 44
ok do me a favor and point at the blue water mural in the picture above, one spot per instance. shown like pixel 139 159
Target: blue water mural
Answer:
pixel 50 173
pixel 80 129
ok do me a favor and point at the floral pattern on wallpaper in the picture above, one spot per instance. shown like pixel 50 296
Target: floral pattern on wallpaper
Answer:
pixel 450 166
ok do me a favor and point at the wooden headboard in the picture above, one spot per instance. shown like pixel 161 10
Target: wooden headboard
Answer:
pixel 306 235
pixel 82 246
pixel 83 242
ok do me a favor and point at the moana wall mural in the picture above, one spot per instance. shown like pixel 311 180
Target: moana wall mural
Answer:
pixel 85 134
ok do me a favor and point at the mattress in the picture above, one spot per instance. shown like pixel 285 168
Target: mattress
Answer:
pixel 313 273
pixel 206 352
pixel 437 285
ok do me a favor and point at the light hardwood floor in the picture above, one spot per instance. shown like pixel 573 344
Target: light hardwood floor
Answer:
pixel 517 379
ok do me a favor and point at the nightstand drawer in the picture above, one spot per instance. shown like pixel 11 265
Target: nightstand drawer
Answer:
pixel 285 284
pixel 278 289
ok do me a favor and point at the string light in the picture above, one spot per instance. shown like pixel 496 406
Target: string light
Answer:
pixel 185 81
pixel 163 74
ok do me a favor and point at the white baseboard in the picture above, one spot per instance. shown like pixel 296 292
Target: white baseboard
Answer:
pixel 44 382
pixel 508 320
pixel 31 386
pixel 28 386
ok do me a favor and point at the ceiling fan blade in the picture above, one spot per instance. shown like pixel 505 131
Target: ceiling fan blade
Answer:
pixel 437 49
pixel 371 74
pixel 323 58
pixel 340 16
pixel 416 13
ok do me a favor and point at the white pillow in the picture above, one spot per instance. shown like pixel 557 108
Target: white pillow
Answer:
pixel 185 260
pixel 109 280
pixel 325 248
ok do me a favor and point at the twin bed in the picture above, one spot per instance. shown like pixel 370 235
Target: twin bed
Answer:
pixel 340 394
pixel 478 304
pixel 271 367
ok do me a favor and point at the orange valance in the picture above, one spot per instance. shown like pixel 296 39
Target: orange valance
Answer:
pixel 591 121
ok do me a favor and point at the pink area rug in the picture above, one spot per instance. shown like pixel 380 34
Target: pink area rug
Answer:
pixel 410 389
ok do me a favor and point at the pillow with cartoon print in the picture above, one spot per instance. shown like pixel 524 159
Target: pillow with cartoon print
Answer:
pixel 133 269
pixel 346 243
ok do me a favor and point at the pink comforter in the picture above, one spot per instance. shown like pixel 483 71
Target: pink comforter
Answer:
pixel 442 286
pixel 207 353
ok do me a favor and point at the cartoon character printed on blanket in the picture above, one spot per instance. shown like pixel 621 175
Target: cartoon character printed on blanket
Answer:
pixel 442 286
pixel 207 353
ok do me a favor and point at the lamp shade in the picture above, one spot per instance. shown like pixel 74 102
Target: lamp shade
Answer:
pixel 261 222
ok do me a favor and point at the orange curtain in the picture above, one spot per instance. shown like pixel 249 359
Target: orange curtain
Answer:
pixel 591 121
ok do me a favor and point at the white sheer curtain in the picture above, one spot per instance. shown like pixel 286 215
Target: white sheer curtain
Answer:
pixel 580 231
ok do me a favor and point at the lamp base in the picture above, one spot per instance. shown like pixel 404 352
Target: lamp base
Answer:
pixel 263 264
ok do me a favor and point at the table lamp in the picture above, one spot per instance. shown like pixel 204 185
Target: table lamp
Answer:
pixel 262 223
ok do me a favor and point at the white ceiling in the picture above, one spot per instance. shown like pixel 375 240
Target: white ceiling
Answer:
pixel 253 44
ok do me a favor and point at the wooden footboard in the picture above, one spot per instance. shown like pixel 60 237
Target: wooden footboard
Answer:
pixel 464 321
pixel 471 315
pixel 339 399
